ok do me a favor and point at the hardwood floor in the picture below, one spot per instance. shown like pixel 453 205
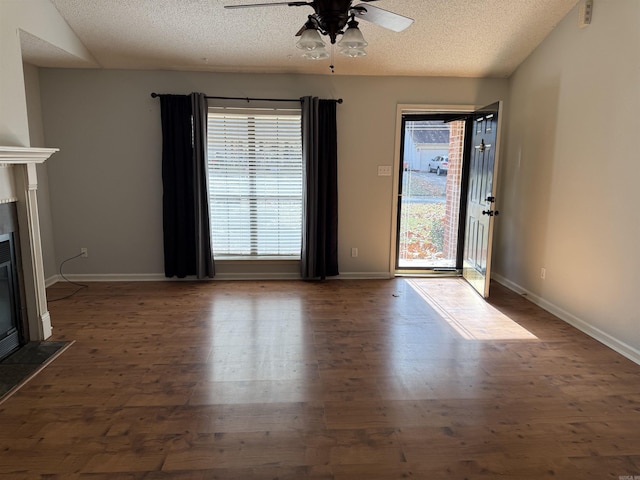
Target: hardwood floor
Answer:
pixel 337 380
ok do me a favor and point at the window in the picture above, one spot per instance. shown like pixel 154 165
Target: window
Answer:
pixel 255 183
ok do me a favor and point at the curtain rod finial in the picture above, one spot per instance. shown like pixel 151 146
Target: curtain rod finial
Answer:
pixel 154 95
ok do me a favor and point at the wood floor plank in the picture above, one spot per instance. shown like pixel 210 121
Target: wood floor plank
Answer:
pixel 342 380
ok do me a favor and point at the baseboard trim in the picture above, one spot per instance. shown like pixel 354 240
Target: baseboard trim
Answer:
pixel 159 277
pixel 615 344
pixel 113 277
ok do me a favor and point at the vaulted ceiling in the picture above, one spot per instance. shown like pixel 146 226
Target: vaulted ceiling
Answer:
pixel 460 38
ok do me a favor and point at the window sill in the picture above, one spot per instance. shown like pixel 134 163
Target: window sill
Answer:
pixel 239 259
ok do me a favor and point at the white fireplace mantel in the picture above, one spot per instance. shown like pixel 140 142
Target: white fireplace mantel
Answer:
pixel 25 155
pixel 23 161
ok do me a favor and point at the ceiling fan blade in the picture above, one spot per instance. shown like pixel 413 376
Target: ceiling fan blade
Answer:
pixel 251 5
pixel 384 18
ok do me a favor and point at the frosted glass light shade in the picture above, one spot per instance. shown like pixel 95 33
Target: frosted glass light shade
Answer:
pixel 353 52
pixel 352 38
pixel 317 54
pixel 310 40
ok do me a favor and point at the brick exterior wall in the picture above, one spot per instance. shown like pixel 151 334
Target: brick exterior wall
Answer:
pixel 454 181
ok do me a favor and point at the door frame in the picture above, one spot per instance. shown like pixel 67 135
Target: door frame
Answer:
pixel 413 109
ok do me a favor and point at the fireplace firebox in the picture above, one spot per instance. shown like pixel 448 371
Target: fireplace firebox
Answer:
pixel 12 324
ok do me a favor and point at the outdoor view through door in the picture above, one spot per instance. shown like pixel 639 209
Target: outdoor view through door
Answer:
pixel 429 192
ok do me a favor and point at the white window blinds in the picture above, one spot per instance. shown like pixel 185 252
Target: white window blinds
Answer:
pixel 255 183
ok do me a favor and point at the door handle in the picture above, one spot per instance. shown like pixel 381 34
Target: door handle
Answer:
pixel 491 213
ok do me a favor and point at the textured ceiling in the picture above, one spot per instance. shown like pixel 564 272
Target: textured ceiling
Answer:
pixel 463 38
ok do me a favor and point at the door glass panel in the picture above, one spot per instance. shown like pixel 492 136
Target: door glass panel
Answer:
pixel 429 194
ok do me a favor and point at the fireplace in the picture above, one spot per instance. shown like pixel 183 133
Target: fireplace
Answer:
pixel 13 327
pixel 18 187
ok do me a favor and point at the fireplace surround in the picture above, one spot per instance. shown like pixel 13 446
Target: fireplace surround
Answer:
pixel 19 184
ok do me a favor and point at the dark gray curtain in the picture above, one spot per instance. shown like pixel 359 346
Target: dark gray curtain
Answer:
pixel 319 256
pixel 186 230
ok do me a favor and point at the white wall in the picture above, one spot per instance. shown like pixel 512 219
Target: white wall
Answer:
pixel 36 139
pixel 20 121
pixel 570 177
pixel 106 181
pixel 41 19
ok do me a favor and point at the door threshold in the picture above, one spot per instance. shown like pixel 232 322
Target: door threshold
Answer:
pixel 435 272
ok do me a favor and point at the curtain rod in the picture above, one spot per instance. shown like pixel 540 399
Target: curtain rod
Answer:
pixel 249 99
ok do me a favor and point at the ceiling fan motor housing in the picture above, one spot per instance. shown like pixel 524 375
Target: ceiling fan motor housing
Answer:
pixel 332 16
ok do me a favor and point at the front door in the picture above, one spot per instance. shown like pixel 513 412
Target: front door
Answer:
pixel 429 193
pixel 481 197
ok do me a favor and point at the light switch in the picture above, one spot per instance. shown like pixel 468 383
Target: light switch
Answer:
pixel 384 170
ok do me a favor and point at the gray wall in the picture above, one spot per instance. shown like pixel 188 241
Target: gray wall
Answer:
pixel 36 138
pixel 106 180
pixel 569 184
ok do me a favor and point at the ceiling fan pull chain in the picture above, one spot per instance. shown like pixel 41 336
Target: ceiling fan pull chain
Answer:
pixel 332 57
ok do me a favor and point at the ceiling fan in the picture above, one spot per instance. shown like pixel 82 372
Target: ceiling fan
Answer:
pixel 330 17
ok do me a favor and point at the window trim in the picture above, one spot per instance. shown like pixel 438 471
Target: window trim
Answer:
pixel 258 111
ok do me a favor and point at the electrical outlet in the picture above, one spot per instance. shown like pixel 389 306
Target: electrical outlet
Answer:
pixel 384 170
pixel 84 252
pixel 354 252
pixel 543 273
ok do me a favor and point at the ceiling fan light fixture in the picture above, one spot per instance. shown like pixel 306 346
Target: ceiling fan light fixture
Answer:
pixel 329 19
pixel 310 40
pixel 317 54
pixel 353 52
pixel 352 37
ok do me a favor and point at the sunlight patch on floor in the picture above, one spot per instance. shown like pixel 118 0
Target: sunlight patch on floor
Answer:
pixel 467 312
